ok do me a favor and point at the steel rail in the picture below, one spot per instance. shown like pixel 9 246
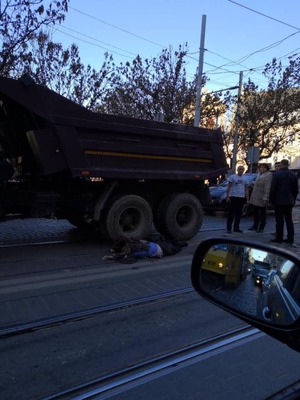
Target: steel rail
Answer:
pixel 121 381
pixel 79 315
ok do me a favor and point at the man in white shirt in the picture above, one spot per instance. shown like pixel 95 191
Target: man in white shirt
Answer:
pixel 237 195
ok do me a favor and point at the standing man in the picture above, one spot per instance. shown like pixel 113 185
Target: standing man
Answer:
pixel 260 198
pixel 277 166
pixel 237 194
pixel 283 193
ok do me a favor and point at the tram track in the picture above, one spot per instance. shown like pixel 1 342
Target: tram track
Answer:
pixel 19 329
pixel 113 380
pixel 121 381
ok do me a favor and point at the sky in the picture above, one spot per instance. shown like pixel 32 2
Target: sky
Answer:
pixel 241 35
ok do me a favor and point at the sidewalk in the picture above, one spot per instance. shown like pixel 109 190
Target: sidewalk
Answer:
pixel 41 230
pixel 264 237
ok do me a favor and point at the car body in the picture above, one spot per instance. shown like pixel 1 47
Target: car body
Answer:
pixel 218 195
pixel 281 298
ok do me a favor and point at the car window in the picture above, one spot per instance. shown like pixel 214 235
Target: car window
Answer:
pixel 284 272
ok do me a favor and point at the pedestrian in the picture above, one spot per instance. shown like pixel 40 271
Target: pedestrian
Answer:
pixel 237 195
pixel 283 194
pixel 260 197
pixel 277 166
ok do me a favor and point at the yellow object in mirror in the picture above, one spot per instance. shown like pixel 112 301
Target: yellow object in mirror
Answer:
pixel 259 284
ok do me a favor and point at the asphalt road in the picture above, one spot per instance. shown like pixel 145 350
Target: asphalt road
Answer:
pixel 56 276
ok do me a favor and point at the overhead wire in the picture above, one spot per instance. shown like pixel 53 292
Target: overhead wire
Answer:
pixel 220 69
pixel 206 63
pixel 258 69
pixel 268 47
pixel 93 44
pixel 255 69
pixel 265 15
pixel 117 27
pixel 158 44
pixel 135 35
pixel 97 40
pixel 227 59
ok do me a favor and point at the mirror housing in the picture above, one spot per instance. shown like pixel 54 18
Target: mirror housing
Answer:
pixel 257 283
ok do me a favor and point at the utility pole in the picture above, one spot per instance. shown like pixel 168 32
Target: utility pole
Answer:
pixel 200 72
pixel 237 117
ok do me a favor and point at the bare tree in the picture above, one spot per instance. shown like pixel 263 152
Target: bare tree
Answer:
pixel 270 118
pixel 147 87
pixel 63 71
pixel 142 88
pixel 20 22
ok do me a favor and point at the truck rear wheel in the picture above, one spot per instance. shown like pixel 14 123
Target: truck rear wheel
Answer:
pixel 128 216
pixel 179 216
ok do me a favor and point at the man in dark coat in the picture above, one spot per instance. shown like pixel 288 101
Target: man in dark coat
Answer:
pixel 283 194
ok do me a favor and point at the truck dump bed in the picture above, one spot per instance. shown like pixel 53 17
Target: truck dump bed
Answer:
pixel 53 135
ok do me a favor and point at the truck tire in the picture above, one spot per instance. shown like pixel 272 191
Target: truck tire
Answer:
pixel 179 216
pixel 158 217
pixel 128 216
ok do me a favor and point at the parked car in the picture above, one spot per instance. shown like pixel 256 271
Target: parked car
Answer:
pixel 281 298
pixel 218 196
pixel 260 277
pixel 258 265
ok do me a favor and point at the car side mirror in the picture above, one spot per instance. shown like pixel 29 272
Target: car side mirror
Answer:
pixel 257 283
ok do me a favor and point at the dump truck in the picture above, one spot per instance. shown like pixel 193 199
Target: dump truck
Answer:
pixel 117 175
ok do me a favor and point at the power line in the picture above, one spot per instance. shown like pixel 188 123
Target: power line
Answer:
pixel 93 44
pixel 239 62
pixel 133 34
pixel 271 46
pixel 121 29
pixel 244 58
pixel 211 65
pixel 97 40
pixel 117 27
pixel 265 15
pixel 227 59
pixel 220 69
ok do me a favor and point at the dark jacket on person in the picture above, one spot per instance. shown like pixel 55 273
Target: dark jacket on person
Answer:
pixel 284 188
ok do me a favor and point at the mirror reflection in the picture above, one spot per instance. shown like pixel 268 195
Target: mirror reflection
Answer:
pixel 257 283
